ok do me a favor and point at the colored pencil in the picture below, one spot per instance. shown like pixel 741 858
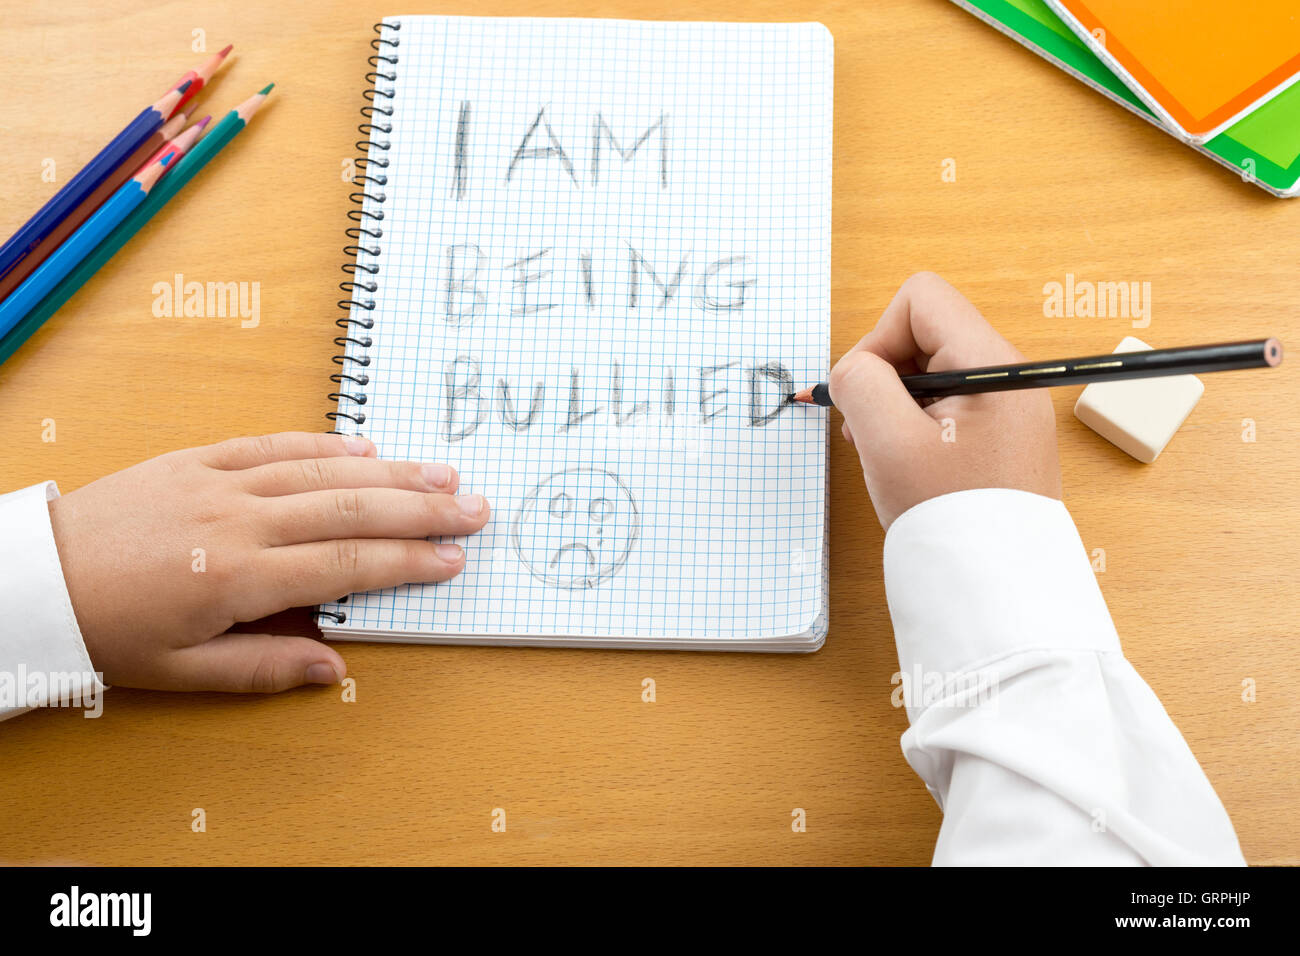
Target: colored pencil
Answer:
pixel 199 78
pixel 80 244
pixel 189 166
pixel 150 150
pixel 1111 367
pixel 80 187
pixel 180 144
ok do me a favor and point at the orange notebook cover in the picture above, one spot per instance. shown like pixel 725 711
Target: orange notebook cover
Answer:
pixel 1205 63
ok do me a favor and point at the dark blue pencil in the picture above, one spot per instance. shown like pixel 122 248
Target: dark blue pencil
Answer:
pixel 151 118
pixel 81 243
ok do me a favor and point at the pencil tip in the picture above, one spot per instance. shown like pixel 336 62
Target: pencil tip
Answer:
pixel 1273 352
pixel 203 122
pixel 226 51
pixel 184 86
pixel 166 160
pixel 266 89
pixel 804 396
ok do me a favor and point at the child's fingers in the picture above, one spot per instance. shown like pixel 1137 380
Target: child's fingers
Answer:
pixel 930 326
pixel 255 663
pixel 322 474
pixel 303 574
pixel 878 410
pixel 237 453
pixel 368 513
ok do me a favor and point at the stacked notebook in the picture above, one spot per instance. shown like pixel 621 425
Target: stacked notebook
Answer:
pixel 592 261
pixel 1221 77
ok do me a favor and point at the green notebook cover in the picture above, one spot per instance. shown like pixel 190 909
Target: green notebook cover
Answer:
pixel 1263 148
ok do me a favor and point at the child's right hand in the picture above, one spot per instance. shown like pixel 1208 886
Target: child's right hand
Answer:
pixel 909 454
pixel 282 521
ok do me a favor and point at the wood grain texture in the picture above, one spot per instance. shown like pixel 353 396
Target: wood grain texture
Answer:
pixel 1201 547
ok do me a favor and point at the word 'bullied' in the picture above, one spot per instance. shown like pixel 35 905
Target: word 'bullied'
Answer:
pixel 469 401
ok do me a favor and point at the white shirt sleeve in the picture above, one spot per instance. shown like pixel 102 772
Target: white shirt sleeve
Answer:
pixel 43 659
pixel 1036 736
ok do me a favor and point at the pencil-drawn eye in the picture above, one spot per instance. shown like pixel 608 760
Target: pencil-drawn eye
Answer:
pixel 576 528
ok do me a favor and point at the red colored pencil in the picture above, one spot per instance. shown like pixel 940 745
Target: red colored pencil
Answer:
pixel 203 74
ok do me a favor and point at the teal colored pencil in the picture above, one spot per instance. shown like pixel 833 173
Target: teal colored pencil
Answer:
pixel 186 169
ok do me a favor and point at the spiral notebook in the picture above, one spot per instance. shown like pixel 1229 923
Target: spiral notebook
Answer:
pixel 590 263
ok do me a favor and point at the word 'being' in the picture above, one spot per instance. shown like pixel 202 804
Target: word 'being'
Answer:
pixel 719 286
pixel 469 401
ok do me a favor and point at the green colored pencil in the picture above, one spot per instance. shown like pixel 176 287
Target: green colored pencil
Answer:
pixel 169 186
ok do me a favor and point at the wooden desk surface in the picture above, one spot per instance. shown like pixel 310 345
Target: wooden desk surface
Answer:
pixel 1201 547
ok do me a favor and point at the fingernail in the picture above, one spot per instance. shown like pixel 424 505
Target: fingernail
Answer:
pixel 470 504
pixel 449 552
pixel 437 476
pixel 356 445
pixel 322 673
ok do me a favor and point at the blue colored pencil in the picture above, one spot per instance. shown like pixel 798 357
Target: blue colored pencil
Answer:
pixel 80 187
pixel 80 244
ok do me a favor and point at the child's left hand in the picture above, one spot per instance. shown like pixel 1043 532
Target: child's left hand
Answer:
pixel 162 558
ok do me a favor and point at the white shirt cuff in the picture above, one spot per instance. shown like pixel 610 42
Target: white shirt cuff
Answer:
pixel 1034 734
pixel 975 575
pixel 43 659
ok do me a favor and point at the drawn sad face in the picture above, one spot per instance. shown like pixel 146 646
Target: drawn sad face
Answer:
pixel 576 528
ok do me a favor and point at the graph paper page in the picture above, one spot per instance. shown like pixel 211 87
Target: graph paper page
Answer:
pixel 605 263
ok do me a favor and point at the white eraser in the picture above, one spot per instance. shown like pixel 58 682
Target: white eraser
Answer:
pixel 1139 415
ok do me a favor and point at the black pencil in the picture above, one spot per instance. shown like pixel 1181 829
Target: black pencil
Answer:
pixel 1111 367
